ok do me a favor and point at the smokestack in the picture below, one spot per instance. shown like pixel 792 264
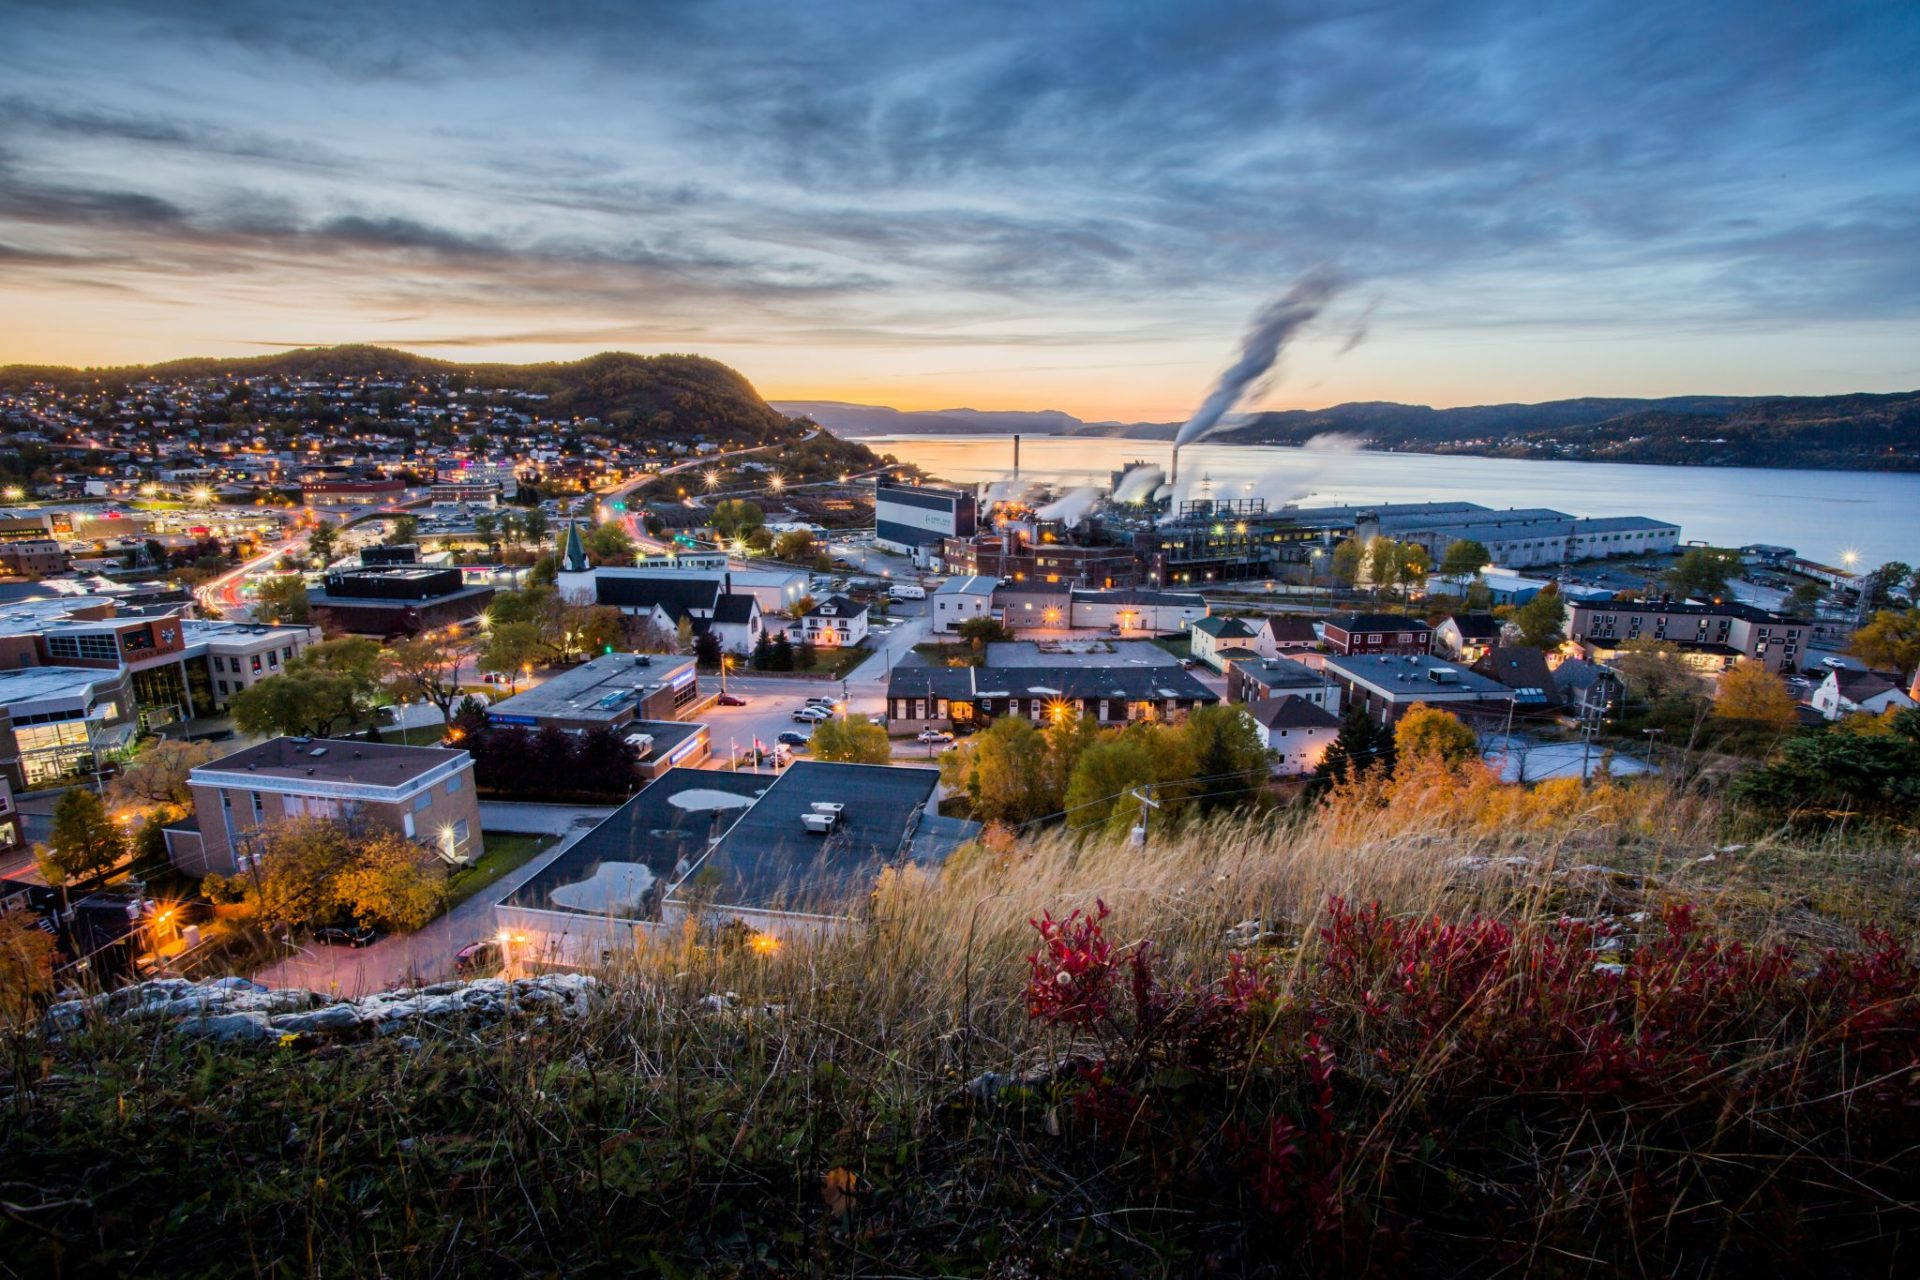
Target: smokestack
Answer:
pixel 1173 472
pixel 1016 457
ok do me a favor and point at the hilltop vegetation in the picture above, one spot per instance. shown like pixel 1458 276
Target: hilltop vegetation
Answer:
pixel 1579 1034
pixel 678 394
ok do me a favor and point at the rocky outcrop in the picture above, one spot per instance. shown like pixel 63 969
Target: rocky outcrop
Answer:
pixel 236 1010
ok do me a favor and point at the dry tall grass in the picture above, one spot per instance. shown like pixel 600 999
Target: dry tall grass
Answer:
pixel 738 1113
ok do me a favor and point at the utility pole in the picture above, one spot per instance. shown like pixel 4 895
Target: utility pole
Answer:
pixel 1139 833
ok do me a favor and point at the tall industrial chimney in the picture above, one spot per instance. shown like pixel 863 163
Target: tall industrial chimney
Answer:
pixel 1016 460
pixel 1173 471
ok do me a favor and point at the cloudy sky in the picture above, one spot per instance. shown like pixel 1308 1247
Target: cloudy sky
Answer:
pixel 1062 205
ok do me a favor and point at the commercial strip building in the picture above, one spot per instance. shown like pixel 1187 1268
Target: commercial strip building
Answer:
pixel 647 698
pixel 787 855
pixel 57 721
pixel 1387 685
pixel 1134 682
pixel 424 793
pixel 1712 636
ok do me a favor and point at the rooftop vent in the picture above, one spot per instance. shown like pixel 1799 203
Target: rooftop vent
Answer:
pixel 318 751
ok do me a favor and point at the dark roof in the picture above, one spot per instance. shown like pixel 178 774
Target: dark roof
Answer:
pixel 836 606
pixel 1134 683
pixel 1281 673
pixel 679 597
pixel 1726 609
pixel 623 866
pixel 1519 667
pixel 769 860
pixel 1291 628
pixel 1140 596
pixel 1858 686
pixel 1352 622
pixel 737 608
pixel 1220 627
pixel 1476 626
pixel 372 764
pixel 1292 712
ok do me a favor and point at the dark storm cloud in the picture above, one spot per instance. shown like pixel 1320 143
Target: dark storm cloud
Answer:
pixel 1753 163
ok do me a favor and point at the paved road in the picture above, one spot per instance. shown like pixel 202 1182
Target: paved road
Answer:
pixel 426 956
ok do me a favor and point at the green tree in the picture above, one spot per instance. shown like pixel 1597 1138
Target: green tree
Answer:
pixel 983 631
pixel 736 517
pixel 283 600
pixel 1878 587
pixel 426 668
pixel 323 542
pixel 1652 671
pixel 1229 760
pixel 84 841
pixel 609 544
pixel 1542 620
pixel 1806 595
pixel 402 530
pixel 850 740
pixel 1097 794
pixel 1349 561
pixel 1465 558
pixel 1002 771
pixel 512 648
pixel 1890 641
pixel 487 528
pixel 534 525
pixel 329 687
pixel 1702 571
pixel 1354 752
pixel 796 547
pixel 1432 733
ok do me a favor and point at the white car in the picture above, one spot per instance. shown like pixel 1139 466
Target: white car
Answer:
pixel 935 735
pixel 811 715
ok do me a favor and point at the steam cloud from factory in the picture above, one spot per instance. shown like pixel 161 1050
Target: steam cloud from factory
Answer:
pixel 1271 330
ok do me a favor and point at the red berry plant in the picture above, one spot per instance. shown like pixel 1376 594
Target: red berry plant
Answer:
pixel 1435 1093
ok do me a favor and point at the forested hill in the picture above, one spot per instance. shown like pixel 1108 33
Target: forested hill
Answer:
pixel 685 392
pixel 1865 432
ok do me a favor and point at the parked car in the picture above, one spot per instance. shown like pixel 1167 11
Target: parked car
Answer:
pixel 477 957
pixel 812 715
pixel 346 935
pixel 732 700
pixel 828 703
pixel 935 735
pixel 792 739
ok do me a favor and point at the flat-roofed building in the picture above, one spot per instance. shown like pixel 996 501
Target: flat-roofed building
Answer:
pixel 1387 684
pixel 792 854
pixel 609 691
pixel 1137 682
pixel 424 793
pixel 58 721
pixel 1713 636
pixel 959 599
pixel 400 601
pixel 916 519
pixel 1264 679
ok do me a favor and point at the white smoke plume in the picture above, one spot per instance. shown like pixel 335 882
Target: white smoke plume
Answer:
pixel 1318 456
pixel 1259 349
pixel 1071 508
pixel 1138 484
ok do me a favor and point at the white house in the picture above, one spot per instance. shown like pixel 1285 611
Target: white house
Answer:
pixel 834 623
pixel 1844 693
pixel 958 599
pixel 1297 731
pixel 1212 635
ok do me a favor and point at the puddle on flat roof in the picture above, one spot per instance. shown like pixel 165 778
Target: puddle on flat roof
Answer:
pixel 696 799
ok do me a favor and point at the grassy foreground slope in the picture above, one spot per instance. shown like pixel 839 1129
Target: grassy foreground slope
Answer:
pixel 1578 1035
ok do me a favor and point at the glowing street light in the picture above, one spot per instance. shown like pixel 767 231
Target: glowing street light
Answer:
pixel 201 494
pixel 15 493
pixel 776 481
pixel 712 479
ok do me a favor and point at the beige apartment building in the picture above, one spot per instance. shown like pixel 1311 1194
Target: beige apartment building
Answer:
pixel 424 793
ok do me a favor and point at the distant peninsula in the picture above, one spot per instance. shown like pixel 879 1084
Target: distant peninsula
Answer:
pixel 1858 432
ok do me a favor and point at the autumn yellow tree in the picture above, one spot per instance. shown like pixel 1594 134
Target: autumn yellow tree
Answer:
pixel 1750 693
pixel 393 883
pixel 1430 733
pixel 26 968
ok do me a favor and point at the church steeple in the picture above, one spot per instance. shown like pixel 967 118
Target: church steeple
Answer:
pixel 573 556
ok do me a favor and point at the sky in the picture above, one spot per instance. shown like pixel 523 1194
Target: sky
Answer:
pixel 1063 205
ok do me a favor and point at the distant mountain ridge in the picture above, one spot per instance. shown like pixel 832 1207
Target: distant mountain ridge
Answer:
pixel 1845 432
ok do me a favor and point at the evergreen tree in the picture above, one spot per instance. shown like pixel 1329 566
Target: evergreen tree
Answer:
pixel 762 658
pixel 782 654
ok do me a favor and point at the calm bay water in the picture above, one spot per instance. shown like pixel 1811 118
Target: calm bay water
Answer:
pixel 1820 513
